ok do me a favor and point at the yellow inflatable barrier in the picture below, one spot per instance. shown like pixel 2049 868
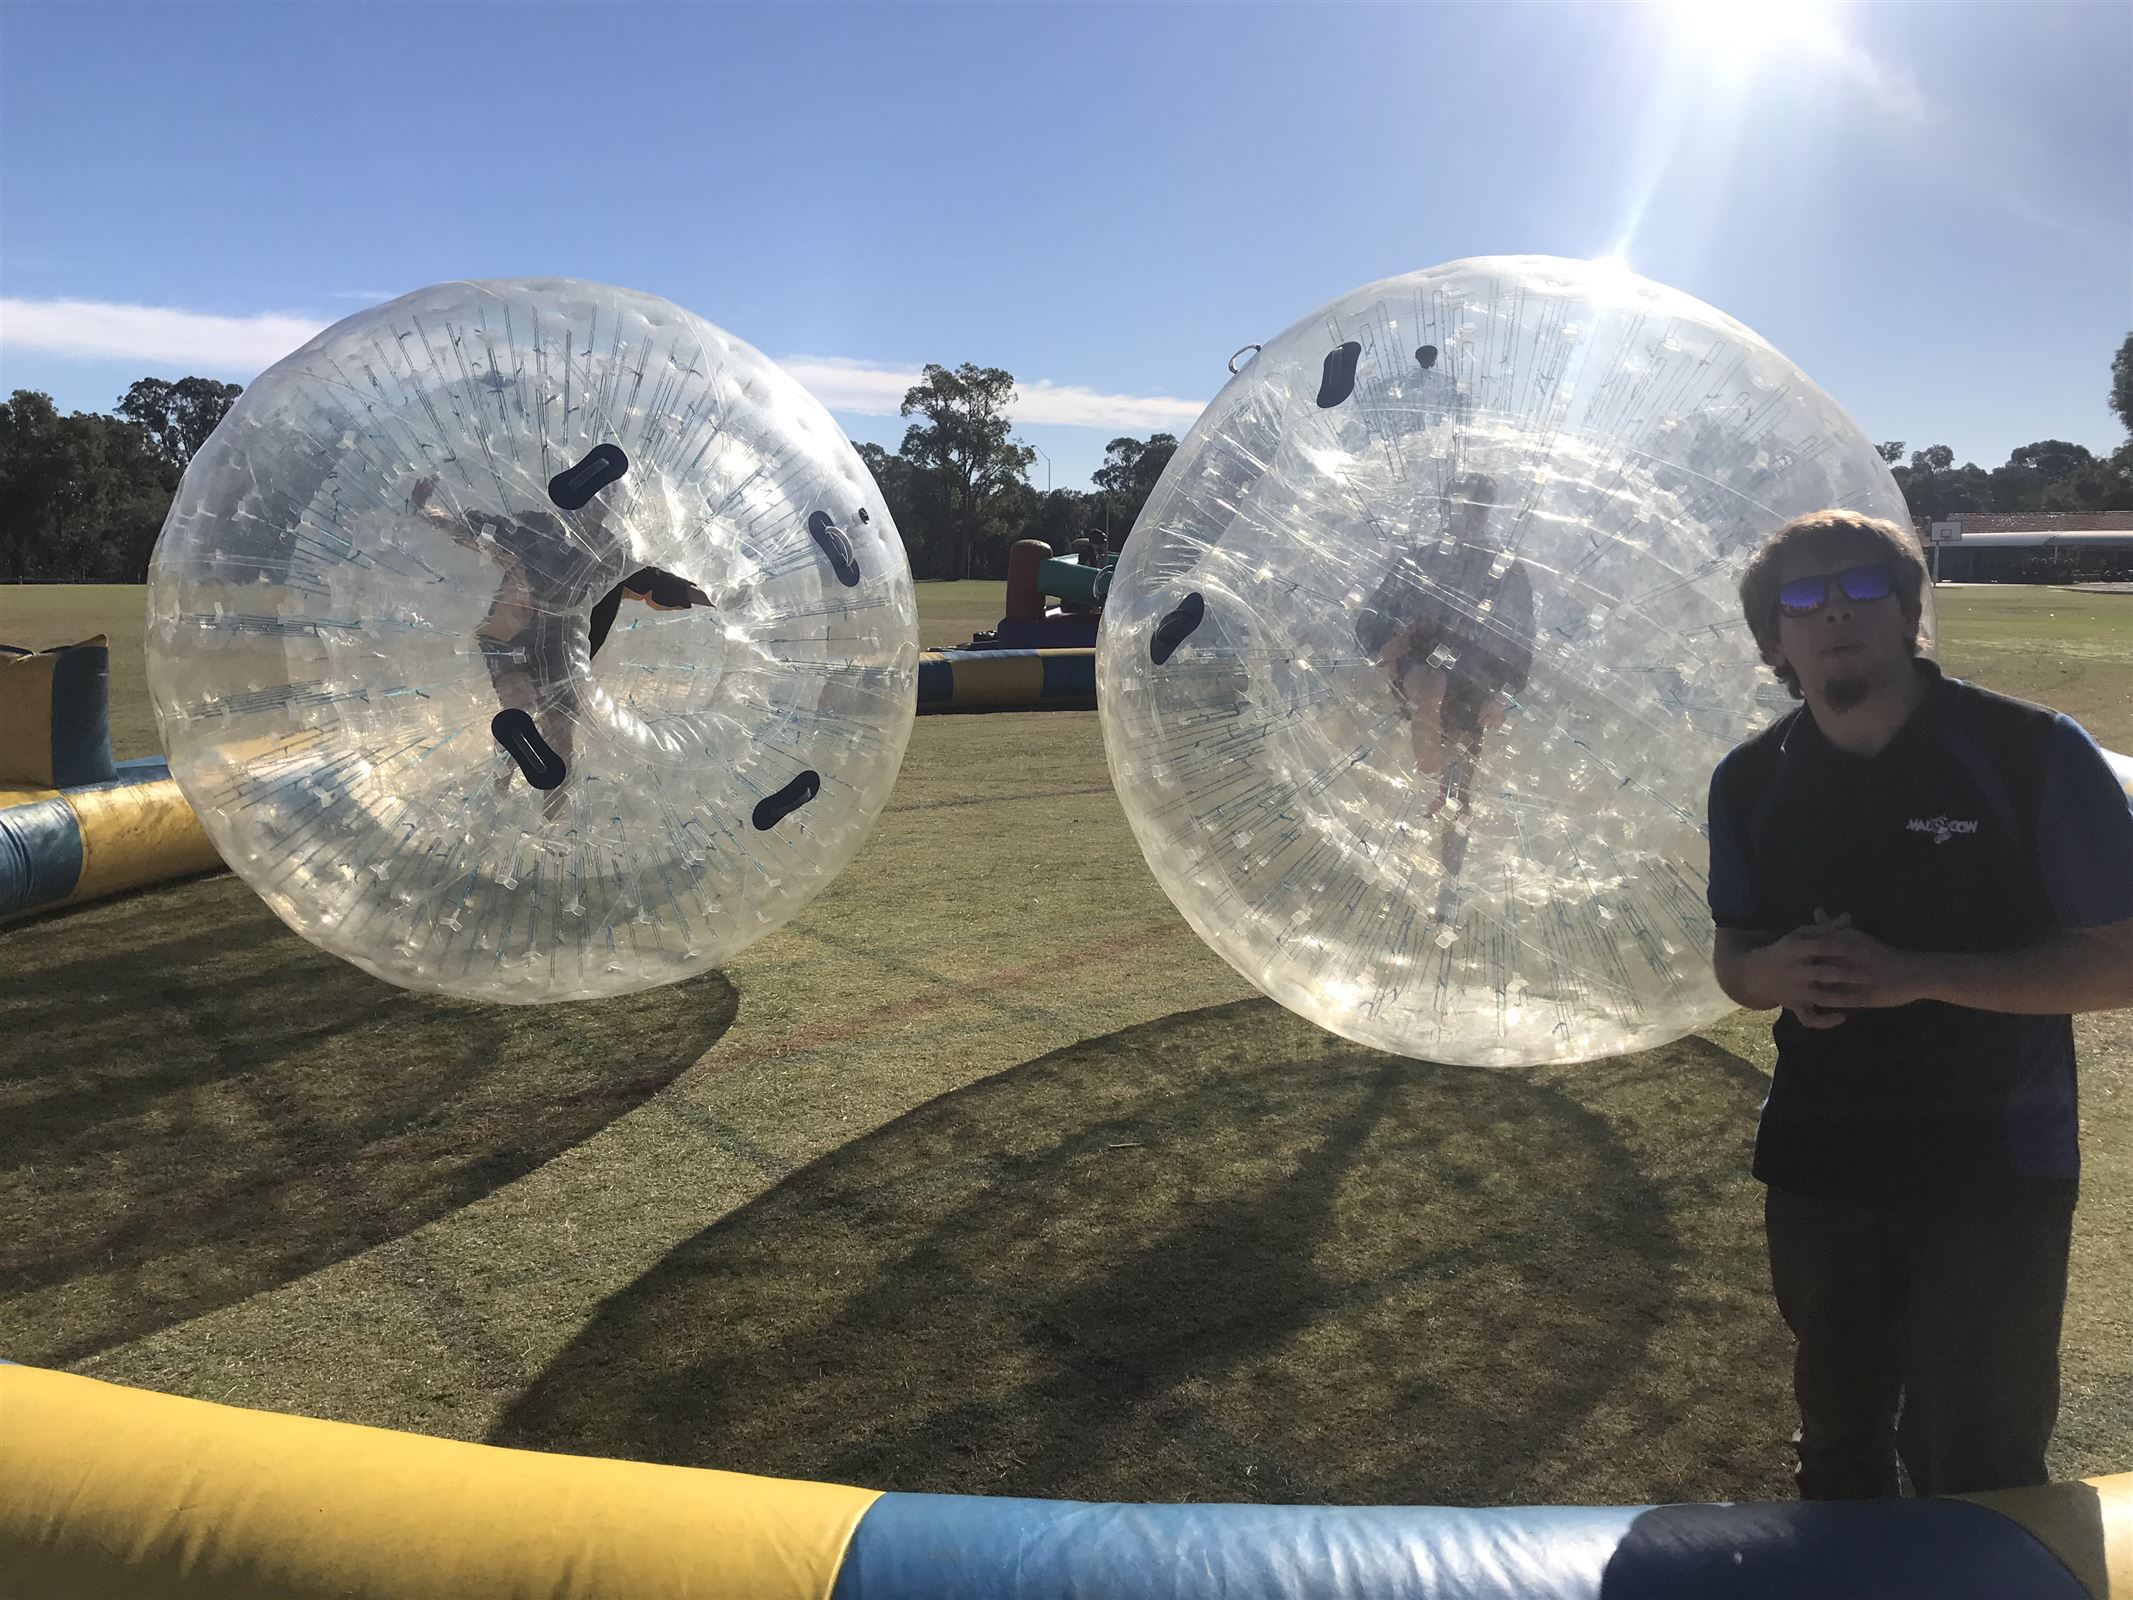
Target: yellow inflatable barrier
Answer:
pixel 62 846
pixel 108 1492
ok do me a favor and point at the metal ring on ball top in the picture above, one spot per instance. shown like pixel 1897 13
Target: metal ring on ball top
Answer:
pixel 1253 348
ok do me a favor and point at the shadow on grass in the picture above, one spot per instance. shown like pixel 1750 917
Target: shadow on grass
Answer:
pixel 196 1105
pixel 1223 1256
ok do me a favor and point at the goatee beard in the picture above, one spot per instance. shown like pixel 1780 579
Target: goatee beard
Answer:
pixel 1843 694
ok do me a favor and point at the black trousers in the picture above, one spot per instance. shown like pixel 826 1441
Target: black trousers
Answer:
pixel 1930 1336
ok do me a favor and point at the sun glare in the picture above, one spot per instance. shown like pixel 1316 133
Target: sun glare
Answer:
pixel 1741 33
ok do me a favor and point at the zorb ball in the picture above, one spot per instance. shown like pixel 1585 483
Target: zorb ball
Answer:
pixel 531 640
pixel 1416 665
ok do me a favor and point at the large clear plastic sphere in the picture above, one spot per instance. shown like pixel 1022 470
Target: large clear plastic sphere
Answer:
pixel 1415 667
pixel 532 640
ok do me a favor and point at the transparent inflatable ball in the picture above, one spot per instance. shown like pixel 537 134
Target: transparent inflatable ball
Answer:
pixel 532 640
pixel 1417 662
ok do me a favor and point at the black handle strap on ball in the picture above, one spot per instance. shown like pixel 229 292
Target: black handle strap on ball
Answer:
pixel 522 741
pixel 1337 382
pixel 574 488
pixel 825 532
pixel 774 809
pixel 1173 629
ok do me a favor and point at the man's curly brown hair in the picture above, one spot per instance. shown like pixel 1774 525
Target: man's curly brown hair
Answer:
pixel 1847 535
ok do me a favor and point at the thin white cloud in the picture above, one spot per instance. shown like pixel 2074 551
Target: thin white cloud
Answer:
pixel 863 388
pixel 110 332
pixel 870 389
pixel 1892 87
pixel 1089 408
pixel 246 346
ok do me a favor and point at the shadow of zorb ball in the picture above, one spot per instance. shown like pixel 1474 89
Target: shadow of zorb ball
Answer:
pixel 532 640
pixel 1418 660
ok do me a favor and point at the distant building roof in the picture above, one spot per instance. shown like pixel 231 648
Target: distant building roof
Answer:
pixel 2043 521
pixel 2071 538
pixel 2036 527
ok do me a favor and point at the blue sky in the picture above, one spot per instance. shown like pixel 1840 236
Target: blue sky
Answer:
pixel 1929 207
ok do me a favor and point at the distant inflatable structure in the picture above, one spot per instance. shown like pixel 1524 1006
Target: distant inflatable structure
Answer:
pixel 74 824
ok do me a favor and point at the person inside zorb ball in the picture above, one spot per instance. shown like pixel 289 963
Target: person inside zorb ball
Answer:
pixel 528 636
pixel 1453 625
pixel 532 640
pixel 1418 660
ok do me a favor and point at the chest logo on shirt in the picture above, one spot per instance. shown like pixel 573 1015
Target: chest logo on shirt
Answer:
pixel 1943 828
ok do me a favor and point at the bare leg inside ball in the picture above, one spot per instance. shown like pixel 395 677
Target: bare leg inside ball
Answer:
pixel 531 670
pixel 1472 709
pixel 560 722
pixel 1423 686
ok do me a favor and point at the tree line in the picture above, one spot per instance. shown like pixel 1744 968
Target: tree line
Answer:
pixel 2049 475
pixel 82 497
pixel 959 487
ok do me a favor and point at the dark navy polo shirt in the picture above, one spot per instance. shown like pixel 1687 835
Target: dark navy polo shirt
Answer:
pixel 1985 824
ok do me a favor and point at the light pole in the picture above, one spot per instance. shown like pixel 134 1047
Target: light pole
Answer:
pixel 1047 468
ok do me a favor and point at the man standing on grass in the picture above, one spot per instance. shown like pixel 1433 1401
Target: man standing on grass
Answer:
pixel 1928 878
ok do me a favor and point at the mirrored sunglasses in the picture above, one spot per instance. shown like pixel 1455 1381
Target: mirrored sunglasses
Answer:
pixel 1803 597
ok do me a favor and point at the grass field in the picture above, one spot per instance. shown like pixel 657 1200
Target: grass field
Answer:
pixel 982 1175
